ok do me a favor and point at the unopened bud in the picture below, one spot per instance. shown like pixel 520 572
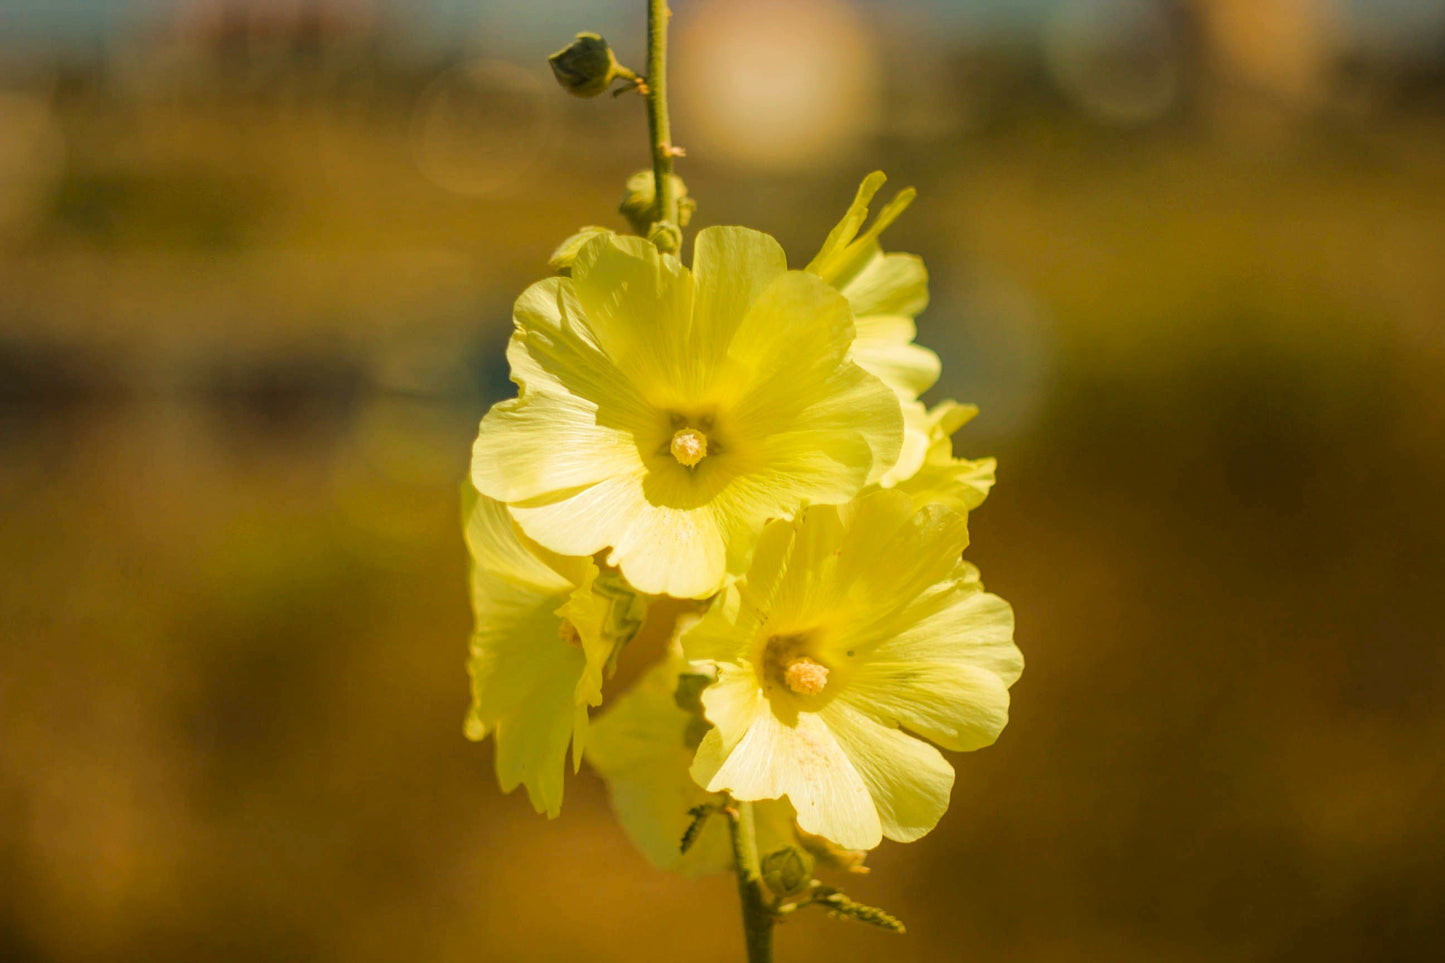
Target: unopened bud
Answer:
pixel 639 203
pixel 562 258
pixel 787 871
pixel 586 66
pixel 666 236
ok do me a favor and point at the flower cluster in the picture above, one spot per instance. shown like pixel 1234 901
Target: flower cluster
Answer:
pixel 750 438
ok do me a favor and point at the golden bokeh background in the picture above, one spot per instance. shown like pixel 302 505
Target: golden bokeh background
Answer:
pixel 256 265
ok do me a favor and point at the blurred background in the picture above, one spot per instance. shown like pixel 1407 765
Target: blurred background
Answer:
pixel 257 259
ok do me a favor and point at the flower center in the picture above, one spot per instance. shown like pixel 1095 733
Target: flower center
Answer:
pixel 689 446
pixel 568 633
pixel 805 677
pixel 786 664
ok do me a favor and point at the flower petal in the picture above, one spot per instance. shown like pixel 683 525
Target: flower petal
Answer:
pixel 553 437
pixel 731 267
pixel 809 582
pixel 555 350
pixel 639 745
pixel 888 284
pixel 637 304
pixel 529 687
pixel 797 321
pixel 958 483
pixel 531 743
pixel 543 443
pixel 722 634
pixel 661 549
pixel 846 254
pixel 496 550
pixel 946 676
pixel 847 229
pixel 826 467
pixel 801 760
pixel 908 780
pixel 892 555
pixel 913 454
pixel 884 348
pixel 797 383
pixel 607 614
pixel 524 679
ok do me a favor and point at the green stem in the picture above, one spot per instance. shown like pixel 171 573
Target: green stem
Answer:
pixel 757 914
pixel 658 126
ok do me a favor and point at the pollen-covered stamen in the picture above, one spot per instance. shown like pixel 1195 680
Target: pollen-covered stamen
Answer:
pixel 689 446
pixel 806 677
pixel 786 664
pixel 568 633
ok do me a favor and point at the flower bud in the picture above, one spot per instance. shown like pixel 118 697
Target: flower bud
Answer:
pixel 586 67
pixel 666 236
pixel 640 200
pixel 787 871
pixel 562 258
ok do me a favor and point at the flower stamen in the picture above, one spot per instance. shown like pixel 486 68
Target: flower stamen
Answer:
pixel 805 677
pixel 568 633
pixel 689 446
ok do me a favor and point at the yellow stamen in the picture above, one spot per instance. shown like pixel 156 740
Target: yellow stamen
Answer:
pixel 568 633
pixel 689 446
pixel 806 677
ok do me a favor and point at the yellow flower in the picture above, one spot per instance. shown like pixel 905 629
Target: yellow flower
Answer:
pixel 886 292
pixel 546 628
pixel 851 622
pixel 642 745
pixel 666 414
pixel 958 483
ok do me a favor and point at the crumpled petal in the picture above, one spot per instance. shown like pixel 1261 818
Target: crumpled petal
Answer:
pixel 958 483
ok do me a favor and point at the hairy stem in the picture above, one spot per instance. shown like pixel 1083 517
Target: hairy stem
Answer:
pixel 757 914
pixel 658 126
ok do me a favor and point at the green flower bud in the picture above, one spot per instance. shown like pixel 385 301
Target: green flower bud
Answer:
pixel 586 67
pixel 787 871
pixel 665 236
pixel 562 258
pixel 640 199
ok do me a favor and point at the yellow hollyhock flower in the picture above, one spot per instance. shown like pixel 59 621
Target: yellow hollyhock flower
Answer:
pixel 666 413
pixel 546 627
pixel 959 483
pixel 886 292
pixel 642 745
pixel 850 623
